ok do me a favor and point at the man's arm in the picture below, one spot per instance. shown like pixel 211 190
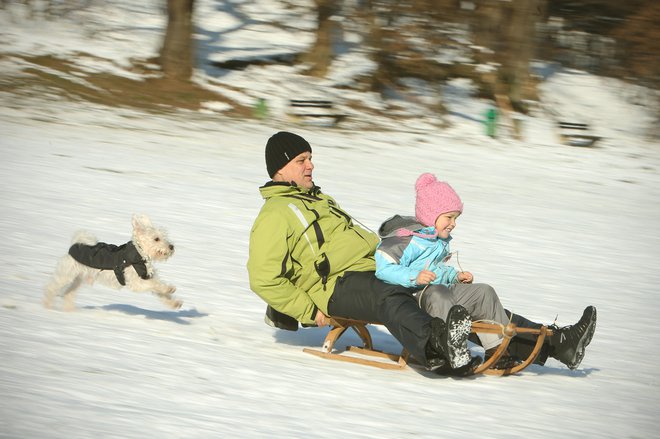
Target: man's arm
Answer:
pixel 269 266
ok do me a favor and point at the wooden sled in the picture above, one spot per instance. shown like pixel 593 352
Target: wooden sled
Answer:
pixel 384 360
pixel 339 327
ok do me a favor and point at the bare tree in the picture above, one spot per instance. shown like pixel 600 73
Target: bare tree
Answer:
pixel 177 53
pixel 321 53
pixel 639 40
pixel 507 28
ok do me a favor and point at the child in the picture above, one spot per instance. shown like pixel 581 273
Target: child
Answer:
pixel 413 253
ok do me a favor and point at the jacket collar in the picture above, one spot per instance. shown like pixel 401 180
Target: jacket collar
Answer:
pixel 281 188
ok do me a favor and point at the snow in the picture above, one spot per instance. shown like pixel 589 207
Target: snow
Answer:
pixel 553 228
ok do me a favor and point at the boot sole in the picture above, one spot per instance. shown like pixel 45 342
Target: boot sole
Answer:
pixel 584 342
pixel 459 326
pixel 462 371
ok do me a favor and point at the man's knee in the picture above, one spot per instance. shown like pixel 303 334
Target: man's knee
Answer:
pixel 389 299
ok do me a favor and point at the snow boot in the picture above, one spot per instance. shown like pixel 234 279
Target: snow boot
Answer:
pixel 462 371
pixel 569 342
pixel 435 356
pixel 449 340
pixel 506 361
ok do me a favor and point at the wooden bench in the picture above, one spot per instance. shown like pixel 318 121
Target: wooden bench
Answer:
pixel 321 111
pixel 370 356
pixel 576 134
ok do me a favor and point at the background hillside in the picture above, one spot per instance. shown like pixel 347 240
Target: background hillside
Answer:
pixel 380 62
pixel 91 131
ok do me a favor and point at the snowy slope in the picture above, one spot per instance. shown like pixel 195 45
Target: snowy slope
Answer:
pixel 553 228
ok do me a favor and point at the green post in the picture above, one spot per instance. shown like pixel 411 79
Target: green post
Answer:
pixel 491 121
pixel 261 109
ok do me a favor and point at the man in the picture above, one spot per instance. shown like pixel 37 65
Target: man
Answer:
pixel 308 260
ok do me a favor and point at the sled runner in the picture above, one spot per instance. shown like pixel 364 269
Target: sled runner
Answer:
pixel 367 355
pixel 339 326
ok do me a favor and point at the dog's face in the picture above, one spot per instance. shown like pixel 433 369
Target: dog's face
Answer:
pixel 151 240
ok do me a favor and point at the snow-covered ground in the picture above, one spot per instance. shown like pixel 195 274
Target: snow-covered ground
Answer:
pixel 553 228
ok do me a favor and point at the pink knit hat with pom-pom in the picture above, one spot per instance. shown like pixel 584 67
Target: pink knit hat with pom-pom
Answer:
pixel 433 199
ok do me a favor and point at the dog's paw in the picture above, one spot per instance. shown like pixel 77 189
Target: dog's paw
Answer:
pixel 170 290
pixel 47 302
pixel 176 304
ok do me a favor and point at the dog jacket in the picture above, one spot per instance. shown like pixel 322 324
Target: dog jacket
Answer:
pixel 110 257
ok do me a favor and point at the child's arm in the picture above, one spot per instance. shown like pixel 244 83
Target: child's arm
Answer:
pixel 391 253
pixel 390 271
pixel 445 275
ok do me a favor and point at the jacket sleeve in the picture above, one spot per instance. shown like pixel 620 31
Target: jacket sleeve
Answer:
pixel 389 267
pixel 270 264
pixel 445 275
pixel 393 273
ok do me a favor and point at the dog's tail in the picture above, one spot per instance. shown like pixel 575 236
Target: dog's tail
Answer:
pixel 84 237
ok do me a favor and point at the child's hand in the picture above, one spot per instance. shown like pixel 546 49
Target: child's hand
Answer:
pixel 425 277
pixel 465 277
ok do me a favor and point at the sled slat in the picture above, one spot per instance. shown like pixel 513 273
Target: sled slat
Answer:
pixel 401 361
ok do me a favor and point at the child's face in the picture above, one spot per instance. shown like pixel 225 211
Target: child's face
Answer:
pixel 446 223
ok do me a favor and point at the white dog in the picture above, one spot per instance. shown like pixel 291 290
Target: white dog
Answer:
pixel 127 265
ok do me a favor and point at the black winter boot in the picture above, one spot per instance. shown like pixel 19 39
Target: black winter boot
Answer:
pixel 449 340
pixel 506 361
pixel 435 358
pixel 462 371
pixel 570 341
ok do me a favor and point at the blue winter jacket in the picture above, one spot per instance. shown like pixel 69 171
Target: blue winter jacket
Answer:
pixel 399 259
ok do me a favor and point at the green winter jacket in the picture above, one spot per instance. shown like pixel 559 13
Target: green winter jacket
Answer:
pixel 300 243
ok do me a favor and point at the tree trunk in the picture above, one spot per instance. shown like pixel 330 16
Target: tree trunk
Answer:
pixel 515 73
pixel 177 53
pixel 508 29
pixel 321 53
pixel 374 42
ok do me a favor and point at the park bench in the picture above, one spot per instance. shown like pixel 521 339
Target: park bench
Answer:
pixel 316 111
pixel 576 134
pixel 370 356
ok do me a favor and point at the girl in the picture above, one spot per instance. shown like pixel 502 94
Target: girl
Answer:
pixel 413 253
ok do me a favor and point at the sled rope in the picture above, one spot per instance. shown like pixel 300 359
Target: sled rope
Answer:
pixel 505 333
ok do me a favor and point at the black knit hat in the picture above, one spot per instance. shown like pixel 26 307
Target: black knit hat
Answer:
pixel 283 147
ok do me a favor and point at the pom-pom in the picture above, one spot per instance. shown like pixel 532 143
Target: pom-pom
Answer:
pixel 425 180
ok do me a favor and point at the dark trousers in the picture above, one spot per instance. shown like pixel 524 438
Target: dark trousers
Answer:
pixel 522 344
pixel 362 296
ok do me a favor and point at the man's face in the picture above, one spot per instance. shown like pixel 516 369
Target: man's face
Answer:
pixel 299 170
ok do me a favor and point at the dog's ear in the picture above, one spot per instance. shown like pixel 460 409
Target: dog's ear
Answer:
pixel 141 221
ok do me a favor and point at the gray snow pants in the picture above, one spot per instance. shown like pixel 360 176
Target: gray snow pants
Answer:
pixel 480 300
